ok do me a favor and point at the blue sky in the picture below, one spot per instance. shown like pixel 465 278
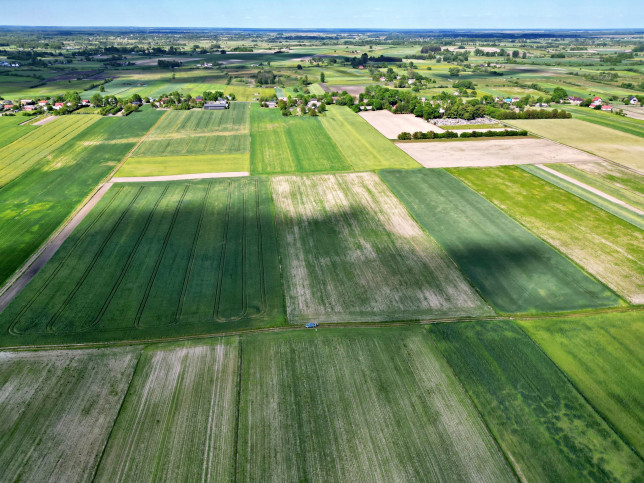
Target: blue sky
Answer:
pixel 428 14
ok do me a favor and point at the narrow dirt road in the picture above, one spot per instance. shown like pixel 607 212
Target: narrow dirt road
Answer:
pixel 42 256
pixel 591 189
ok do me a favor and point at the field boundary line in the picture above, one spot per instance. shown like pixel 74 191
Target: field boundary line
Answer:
pixel 237 409
pixel 87 202
pixel 514 467
pixel 180 177
pixel 118 414
pixel 583 396
pixel 329 325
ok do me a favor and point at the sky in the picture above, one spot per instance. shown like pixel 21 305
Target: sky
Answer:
pixel 357 14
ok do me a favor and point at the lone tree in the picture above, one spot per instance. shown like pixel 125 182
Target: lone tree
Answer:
pixel 322 78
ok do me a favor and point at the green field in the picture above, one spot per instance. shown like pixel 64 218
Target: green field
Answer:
pixel 292 144
pixel 602 355
pixel 585 194
pixel 361 144
pixel 607 119
pixel 623 184
pixel 186 123
pixel 10 130
pixel 351 252
pixel 17 158
pixel 187 142
pixel 606 246
pixel 547 429
pixel 513 269
pixel 57 410
pixel 35 204
pixel 178 419
pixel 155 260
pixel 358 405
pixel 169 165
pixel 603 141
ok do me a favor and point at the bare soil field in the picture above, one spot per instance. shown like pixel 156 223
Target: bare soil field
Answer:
pixel 391 125
pixel 155 60
pixel 492 152
pixel 354 90
pixel 635 112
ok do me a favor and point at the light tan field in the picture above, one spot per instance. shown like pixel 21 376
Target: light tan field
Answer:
pixel 492 152
pixel 352 252
pixel 391 125
pixel 603 141
pixel 57 409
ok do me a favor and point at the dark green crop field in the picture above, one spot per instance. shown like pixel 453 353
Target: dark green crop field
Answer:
pixel 540 420
pixel 35 204
pixel 358 405
pixel 158 260
pixel 512 268
pixel 606 246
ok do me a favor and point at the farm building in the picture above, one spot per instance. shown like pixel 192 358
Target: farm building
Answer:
pixel 633 101
pixel 607 107
pixel 575 101
pixel 215 105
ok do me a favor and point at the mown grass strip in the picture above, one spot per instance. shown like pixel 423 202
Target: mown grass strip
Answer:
pixel 360 143
pixel 173 165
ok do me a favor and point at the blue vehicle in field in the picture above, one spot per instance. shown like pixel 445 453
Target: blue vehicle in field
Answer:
pixel 311 325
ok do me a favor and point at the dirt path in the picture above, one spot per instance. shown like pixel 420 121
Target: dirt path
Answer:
pixel 42 256
pixel 591 189
pixel 179 177
pixel 44 121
